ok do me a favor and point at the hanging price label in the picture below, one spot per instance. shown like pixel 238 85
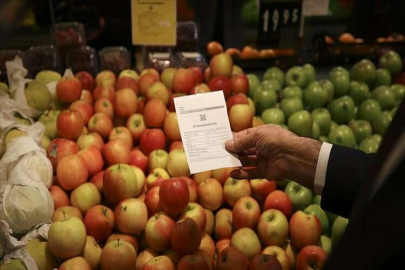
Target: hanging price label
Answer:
pixel 279 22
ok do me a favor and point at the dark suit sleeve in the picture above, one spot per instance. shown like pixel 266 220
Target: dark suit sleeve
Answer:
pixel 347 170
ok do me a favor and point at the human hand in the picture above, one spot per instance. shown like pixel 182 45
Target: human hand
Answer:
pixel 275 153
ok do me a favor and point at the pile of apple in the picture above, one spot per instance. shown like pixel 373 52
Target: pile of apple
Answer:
pixel 124 197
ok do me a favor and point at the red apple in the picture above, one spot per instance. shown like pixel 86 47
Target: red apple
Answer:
pixel 69 124
pixel 100 123
pixel 124 237
pixel 209 228
pixel 237 70
pixel 280 201
pixel 192 188
pixel 157 231
pixel 171 127
pixel 87 97
pixel 136 126
pixel 208 245
pixel 106 78
pixel 121 133
pixel 86 79
pixel 245 213
pixel 232 258
pixel 222 174
pixel 207 75
pixel 159 263
pixel 104 105
pixel 91 139
pixel 138 159
pixel 184 81
pixel 143 257
pixel 221 83
pixel 99 222
pixel 119 121
pixel 119 183
pixel 221 65
pixel 68 90
pixel 311 257
pixel 59 197
pixel 140 105
pixel 65 212
pixel 124 103
pixel 129 73
pixel 236 99
pixel 155 113
pixel 150 71
pixel 210 194
pixel 97 180
pixel 118 255
pixel 131 216
pixel 60 148
pixel 222 244
pixel 158 91
pixel 273 227
pixel 190 262
pixel 201 176
pixel 116 151
pixel 146 81
pixel 240 117
pixel 93 159
pixel 305 230
pixel 198 74
pixel 72 172
pixel 174 195
pixel 127 82
pixel 261 188
pixel 104 92
pixel 75 263
pixel 185 236
pixel 240 84
pixel 197 213
pixel 223 224
pixel 236 189
pixel 85 110
pixel 265 262
pixel 214 48
pixel 152 201
pixel 176 145
pixel 152 139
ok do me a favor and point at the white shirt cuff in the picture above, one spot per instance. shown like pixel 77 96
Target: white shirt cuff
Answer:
pixel 321 166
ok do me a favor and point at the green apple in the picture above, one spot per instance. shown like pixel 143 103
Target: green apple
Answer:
pixel 392 61
pixel 343 135
pixel 361 129
pixel 14 264
pixel 342 109
pixel 300 196
pixel 364 71
pixel 45 142
pixel 385 96
pixel 317 200
pixel 316 210
pixel 254 82
pixel 167 77
pixel 295 76
pixel 281 184
pixel 4 88
pixel 340 78
pixel 271 85
pixel 333 125
pixel 326 244
pixel 264 99
pixel 369 110
pixel 394 111
pixel 338 230
pixel 47 76
pixel 369 145
pixel 291 105
pixel 315 96
pixel 40 252
pixel 316 131
pixel 399 91
pixel 292 91
pixel 359 91
pixel 323 138
pixel 273 116
pixel 301 123
pixel 48 118
pixel 331 217
pixel 274 73
pixel 383 77
pixel 21 120
pixel 323 118
pixel 38 96
pixel 382 122
pixel 328 86
pixel 309 72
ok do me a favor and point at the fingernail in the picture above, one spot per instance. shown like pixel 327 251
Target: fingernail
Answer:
pixel 229 143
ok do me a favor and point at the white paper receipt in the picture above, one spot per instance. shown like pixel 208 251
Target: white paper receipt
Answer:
pixel 204 128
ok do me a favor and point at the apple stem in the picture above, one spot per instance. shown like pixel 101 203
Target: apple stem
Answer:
pixel 105 211
pixel 119 166
pixel 118 241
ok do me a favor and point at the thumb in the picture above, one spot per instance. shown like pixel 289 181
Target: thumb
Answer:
pixel 241 143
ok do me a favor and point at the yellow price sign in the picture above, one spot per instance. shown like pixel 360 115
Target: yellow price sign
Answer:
pixel 154 22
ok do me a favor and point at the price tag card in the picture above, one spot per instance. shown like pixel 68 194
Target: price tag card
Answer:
pixel 279 22
pixel 204 128
pixel 154 22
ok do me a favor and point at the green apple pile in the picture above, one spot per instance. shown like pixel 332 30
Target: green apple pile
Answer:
pixel 123 193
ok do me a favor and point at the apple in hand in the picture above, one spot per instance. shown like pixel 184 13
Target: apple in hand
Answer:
pixel 118 255
pixel 311 257
pixel 174 195
pixel 131 216
pixel 232 258
pixel 305 230
pixel 185 236
pixel 67 238
pixel 245 213
pixel 157 231
pixel 273 227
pixel 247 241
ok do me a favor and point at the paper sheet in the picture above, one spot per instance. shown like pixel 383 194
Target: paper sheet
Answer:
pixel 204 128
